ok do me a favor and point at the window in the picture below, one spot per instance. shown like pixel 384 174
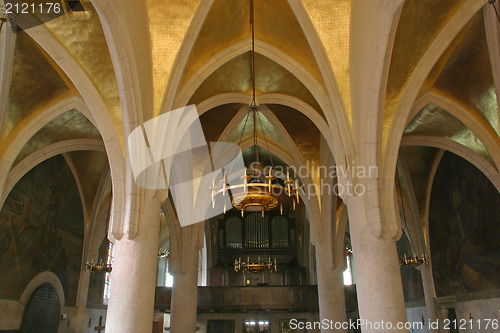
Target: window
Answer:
pixel 164 278
pixel 348 271
pixel 107 277
pixel 257 326
pixel 169 278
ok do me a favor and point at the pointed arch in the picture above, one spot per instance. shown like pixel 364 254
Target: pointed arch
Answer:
pixel 183 55
pixel 430 183
pixel 78 183
pixel 271 98
pixel 478 125
pixel 493 40
pixel 336 114
pixel 32 160
pixel 393 138
pixel 97 107
pixel 446 144
pixel 26 131
pixel 291 65
pixel 7 50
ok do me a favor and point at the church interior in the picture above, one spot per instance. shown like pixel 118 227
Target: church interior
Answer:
pixel 270 166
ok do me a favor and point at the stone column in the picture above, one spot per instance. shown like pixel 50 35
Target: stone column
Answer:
pixel 443 314
pixel 378 278
pixel 429 293
pixel 330 260
pixel 132 291
pixel 275 325
pixel 81 300
pixel 330 287
pixel 184 268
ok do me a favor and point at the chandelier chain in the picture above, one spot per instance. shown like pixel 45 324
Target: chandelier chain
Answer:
pixel 267 144
pixel 252 24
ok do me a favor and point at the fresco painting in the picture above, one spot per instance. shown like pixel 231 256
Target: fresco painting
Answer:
pixel 464 228
pixel 41 229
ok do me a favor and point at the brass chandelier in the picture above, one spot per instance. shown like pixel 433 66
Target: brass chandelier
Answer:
pixel 258 192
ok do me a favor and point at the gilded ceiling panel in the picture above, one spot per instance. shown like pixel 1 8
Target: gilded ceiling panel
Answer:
pixel 419 24
pixel 265 131
pixel 89 166
pixel 229 22
pixel 168 24
pixel 36 82
pixel 276 24
pixel 270 77
pixel 303 132
pixel 465 73
pixel 265 158
pixel 435 121
pixel 80 32
pixel 216 120
pixel 69 125
pixel 332 19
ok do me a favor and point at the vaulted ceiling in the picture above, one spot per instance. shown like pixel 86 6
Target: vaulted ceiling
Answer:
pixel 445 53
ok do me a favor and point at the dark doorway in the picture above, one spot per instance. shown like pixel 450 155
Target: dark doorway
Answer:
pixel 220 326
pixel 452 316
pixel 42 315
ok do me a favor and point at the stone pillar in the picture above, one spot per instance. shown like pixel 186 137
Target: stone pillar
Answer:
pixel 81 300
pixel 330 258
pixel 443 314
pixel 378 278
pixel 330 287
pixel 429 293
pixel 275 325
pixel 132 291
pixel 184 259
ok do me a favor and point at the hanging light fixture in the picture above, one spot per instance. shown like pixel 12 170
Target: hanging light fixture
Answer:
pixel 101 267
pixel 258 266
pixel 260 191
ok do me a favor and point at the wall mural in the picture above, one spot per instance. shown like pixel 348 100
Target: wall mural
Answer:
pixel 464 229
pixel 41 229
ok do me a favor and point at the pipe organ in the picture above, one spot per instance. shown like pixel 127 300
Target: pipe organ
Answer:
pixel 256 232
pixel 256 239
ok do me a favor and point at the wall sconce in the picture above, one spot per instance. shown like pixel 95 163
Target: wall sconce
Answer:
pixel 414 262
pixel 99 268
